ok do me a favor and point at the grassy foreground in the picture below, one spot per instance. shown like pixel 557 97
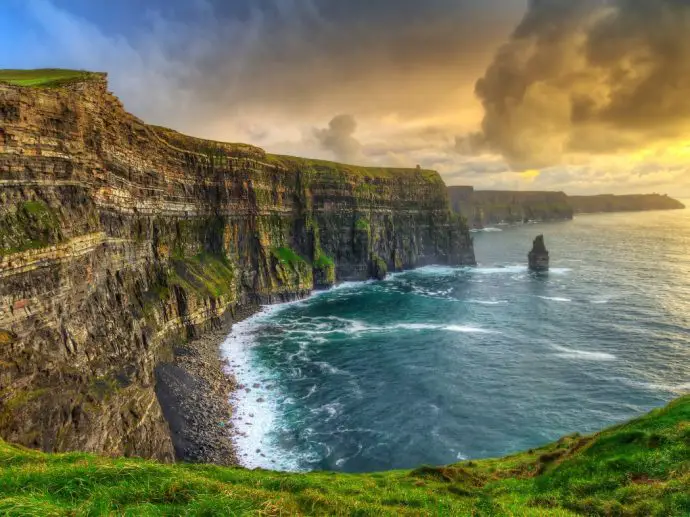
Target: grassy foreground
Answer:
pixel 639 468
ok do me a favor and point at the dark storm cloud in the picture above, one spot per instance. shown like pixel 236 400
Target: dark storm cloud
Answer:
pixel 301 57
pixel 592 76
pixel 338 138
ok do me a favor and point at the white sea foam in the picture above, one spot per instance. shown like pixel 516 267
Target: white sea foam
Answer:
pixel 437 270
pixel 599 301
pixel 359 327
pixel 409 326
pixel 559 270
pixel 488 302
pixel 555 299
pixel 329 368
pixel 679 389
pixel 438 294
pixel 676 389
pixel 311 391
pixel 349 285
pixel 571 353
pixel 253 420
pixel 354 327
pixel 469 330
pixel 499 270
pixel 332 410
pixel 485 230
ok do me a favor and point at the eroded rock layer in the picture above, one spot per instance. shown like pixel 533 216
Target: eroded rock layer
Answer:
pixel 119 240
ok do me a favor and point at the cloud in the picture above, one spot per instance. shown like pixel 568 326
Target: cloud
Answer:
pixel 587 91
pixel 590 76
pixel 338 139
pixel 188 64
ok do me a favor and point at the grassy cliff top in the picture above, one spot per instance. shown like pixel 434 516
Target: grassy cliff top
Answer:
pixel 328 167
pixel 638 468
pixel 202 145
pixel 46 77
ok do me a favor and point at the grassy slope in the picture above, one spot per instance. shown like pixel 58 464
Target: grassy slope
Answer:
pixel 639 468
pixel 44 77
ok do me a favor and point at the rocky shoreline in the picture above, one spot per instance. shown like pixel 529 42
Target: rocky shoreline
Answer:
pixel 194 392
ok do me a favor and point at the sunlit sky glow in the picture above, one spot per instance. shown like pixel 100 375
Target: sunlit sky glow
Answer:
pixel 589 96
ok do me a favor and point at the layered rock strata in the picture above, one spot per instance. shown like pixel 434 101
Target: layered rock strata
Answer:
pixel 120 242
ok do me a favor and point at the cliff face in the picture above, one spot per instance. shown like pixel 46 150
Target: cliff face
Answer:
pixel 119 240
pixel 632 203
pixel 488 207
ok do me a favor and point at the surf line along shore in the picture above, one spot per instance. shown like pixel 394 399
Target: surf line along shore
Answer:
pixel 198 391
pixel 194 390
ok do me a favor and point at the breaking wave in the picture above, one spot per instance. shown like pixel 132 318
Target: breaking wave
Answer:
pixel 583 354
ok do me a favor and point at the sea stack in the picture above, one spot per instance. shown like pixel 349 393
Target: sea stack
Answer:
pixel 539 256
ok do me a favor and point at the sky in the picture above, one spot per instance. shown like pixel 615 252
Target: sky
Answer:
pixel 584 96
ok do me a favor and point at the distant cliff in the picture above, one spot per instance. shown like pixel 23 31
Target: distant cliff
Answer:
pixel 486 207
pixel 120 240
pixel 633 203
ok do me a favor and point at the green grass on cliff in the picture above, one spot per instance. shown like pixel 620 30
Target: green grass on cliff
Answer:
pixel 288 256
pixel 323 261
pixel 205 274
pixel 641 468
pixel 28 225
pixel 45 77
pixel 337 170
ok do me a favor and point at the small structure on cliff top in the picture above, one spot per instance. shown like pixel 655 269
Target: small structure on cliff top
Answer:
pixel 539 256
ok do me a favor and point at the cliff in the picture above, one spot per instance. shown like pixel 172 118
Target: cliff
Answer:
pixel 639 468
pixel 489 207
pixel 120 241
pixel 632 203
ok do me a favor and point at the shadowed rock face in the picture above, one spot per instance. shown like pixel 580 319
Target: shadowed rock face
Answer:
pixel 631 203
pixel 489 207
pixel 120 241
pixel 539 257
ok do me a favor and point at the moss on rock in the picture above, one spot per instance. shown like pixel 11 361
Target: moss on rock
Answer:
pixel 324 271
pixel 29 225
pixel 207 275
pixel 379 268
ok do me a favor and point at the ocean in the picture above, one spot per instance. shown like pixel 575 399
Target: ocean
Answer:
pixel 441 364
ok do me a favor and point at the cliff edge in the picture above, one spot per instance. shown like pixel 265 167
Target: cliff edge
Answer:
pixel 629 203
pixel 489 207
pixel 121 241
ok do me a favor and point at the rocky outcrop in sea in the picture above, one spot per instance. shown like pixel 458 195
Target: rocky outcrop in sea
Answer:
pixel 538 258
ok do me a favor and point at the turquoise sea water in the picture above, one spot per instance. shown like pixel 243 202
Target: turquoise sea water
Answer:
pixel 440 364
